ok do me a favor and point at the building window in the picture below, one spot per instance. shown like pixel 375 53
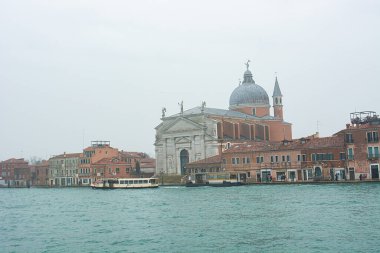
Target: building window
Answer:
pixel 235 160
pixel 328 157
pixel 349 138
pixel 283 158
pixel 271 159
pixel 254 111
pixel 224 161
pixel 298 158
pixel 246 160
pixel 372 137
pixel 350 154
pixel 276 158
pixel 342 156
pixel 373 152
pixel 288 158
pixel 117 170
pixel 313 157
pixel 249 174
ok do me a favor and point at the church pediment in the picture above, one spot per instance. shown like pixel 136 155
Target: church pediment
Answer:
pixel 182 140
pixel 182 125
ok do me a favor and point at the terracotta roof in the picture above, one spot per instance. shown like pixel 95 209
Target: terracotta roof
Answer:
pixel 208 160
pixel 148 163
pixel 358 128
pixel 68 155
pixel 15 160
pixel 297 144
pixel 113 160
pixel 132 154
pixel 325 142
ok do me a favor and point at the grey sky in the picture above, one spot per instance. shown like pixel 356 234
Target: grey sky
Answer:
pixel 104 69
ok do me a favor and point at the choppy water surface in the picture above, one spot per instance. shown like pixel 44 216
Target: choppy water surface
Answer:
pixel 266 218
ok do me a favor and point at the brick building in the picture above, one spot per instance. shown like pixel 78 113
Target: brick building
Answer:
pixel 305 159
pixel 15 173
pixel 40 173
pixel 91 155
pixel 351 154
pixel 99 160
pixel 361 139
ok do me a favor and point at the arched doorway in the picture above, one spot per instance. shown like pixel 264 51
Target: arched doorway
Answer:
pixel 318 172
pixel 184 158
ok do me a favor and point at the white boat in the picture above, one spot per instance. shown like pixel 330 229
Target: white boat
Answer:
pixel 125 183
pixel 217 179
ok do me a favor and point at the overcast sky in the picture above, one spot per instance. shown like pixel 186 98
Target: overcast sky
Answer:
pixel 75 71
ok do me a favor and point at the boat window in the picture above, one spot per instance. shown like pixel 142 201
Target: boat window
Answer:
pixel 135 181
pixel 122 182
pixel 145 181
pixel 130 181
pixel 140 181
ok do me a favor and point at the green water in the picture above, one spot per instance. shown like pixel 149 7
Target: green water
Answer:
pixel 263 218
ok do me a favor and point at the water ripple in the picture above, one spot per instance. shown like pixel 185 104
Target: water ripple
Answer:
pixel 266 218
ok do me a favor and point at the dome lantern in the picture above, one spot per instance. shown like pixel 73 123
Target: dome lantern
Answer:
pixel 249 94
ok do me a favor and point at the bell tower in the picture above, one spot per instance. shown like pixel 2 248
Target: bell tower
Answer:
pixel 277 101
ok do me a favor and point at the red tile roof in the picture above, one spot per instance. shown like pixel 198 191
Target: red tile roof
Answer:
pixel 67 155
pixel 298 144
pixel 208 160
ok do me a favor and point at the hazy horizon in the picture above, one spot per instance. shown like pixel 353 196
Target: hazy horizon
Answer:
pixel 73 72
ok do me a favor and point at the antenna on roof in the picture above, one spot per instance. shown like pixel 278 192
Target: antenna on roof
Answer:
pixel 317 126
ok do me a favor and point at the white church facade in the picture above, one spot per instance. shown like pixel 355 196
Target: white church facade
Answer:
pixel 203 132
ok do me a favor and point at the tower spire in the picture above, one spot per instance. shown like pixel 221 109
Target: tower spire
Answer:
pixel 277 100
pixel 277 90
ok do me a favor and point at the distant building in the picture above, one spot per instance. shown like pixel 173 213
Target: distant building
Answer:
pixel 40 173
pixel 91 155
pixel 202 132
pixel 361 139
pixel 15 173
pixel 111 168
pixel 351 154
pixel 97 161
pixel 63 169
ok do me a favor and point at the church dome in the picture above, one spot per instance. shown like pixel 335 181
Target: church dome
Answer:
pixel 249 93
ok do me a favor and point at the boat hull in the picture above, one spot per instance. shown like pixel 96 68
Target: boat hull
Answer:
pixel 114 188
pixel 125 183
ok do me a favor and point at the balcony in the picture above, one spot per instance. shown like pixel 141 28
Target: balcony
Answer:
pixel 373 156
pixel 373 139
pixel 350 157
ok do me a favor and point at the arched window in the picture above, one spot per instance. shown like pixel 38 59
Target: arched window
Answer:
pixel 184 158
pixel 318 171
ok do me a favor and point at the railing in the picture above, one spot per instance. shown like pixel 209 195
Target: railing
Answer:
pixel 373 139
pixel 350 157
pixel 373 156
